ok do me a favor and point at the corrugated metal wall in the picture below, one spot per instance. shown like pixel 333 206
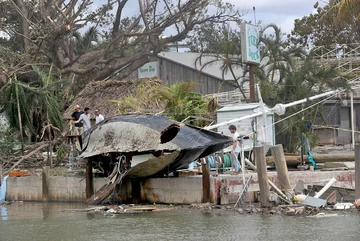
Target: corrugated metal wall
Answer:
pixel 171 73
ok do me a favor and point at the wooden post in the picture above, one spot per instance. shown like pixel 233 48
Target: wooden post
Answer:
pixel 357 171
pixel 89 180
pixel 45 182
pixel 277 152
pixel 252 82
pixel 260 161
pixel 205 182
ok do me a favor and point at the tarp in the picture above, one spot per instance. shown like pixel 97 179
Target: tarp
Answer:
pixel 3 189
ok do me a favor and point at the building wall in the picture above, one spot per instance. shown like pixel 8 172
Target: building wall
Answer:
pixel 341 135
pixel 172 73
pixel 344 137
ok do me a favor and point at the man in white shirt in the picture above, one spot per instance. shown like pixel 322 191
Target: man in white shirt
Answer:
pixel 85 119
pixel 235 148
pixel 98 117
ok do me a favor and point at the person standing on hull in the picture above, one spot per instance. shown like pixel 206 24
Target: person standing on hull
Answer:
pixel 84 119
pixel 235 149
pixel 98 117
pixel 77 127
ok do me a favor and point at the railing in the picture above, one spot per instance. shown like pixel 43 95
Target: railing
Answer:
pixel 227 98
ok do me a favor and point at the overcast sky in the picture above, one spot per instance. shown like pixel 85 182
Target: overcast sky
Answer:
pixel 280 12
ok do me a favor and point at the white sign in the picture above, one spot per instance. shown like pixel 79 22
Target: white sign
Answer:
pixel 250 51
pixel 149 70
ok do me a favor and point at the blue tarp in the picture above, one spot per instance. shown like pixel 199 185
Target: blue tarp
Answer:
pixel 3 189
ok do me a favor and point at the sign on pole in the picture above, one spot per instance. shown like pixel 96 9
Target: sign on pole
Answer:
pixel 149 70
pixel 250 51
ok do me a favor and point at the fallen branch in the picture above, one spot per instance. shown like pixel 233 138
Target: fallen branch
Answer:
pixel 33 152
pixel 27 156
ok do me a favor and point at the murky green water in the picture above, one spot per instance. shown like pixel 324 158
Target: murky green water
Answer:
pixel 45 222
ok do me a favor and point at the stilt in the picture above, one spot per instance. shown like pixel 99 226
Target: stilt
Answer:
pixel 262 175
pixel 89 180
pixel 205 182
pixel 45 182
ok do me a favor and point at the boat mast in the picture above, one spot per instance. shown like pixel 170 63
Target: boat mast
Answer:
pixel 278 109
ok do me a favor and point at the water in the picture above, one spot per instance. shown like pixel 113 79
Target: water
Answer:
pixel 44 222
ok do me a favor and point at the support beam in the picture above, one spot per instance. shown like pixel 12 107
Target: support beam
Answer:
pixel 89 180
pixel 262 175
pixel 205 182
pixel 45 183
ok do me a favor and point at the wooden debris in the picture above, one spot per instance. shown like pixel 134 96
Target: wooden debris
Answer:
pixel 331 199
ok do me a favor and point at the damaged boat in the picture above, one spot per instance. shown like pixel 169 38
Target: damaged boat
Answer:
pixel 146 145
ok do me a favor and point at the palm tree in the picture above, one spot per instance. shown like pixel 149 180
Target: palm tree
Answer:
pixel 29 105
pixel 301 79
pixel 181 101
pixel 345 9
pixel 276 56
pixel 86 41
pixel 227 53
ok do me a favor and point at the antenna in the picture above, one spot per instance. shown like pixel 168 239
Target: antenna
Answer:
pixel 254 15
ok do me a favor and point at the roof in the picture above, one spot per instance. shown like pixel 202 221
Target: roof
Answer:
pixel 189 60
pixel 241 107
pixel 96 95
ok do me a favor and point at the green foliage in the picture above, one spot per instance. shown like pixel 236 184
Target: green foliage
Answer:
pixel 181 101
pixel 219 44
pixel 210 38
pixel 47 97
pixel 15 92
pixel 127 104
pixel 86 41
pixel 141 100
pixel 61 153
pixel 39 102
pixel 325 28
pixel 300 79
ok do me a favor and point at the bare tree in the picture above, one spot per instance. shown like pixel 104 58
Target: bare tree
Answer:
pixel 45 29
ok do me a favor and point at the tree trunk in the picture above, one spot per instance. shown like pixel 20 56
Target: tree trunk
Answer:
pixel 20 120
pixel 23 23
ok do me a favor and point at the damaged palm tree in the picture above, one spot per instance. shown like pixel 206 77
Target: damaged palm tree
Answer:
pixel 143 146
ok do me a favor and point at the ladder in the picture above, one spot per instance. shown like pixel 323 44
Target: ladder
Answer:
pixel 243 191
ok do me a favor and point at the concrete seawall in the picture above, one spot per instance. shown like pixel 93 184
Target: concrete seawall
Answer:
pixel 224 189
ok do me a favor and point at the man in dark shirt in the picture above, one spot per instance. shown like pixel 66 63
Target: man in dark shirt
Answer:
pixel 77 128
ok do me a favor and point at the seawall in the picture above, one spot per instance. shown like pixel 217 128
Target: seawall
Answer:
pixel 224 189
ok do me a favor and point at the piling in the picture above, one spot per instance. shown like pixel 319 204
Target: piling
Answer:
pixel 277 152
pixel 357 171
pixel 205 182
pixel 89 180
pixel 45 182
pixel 260 161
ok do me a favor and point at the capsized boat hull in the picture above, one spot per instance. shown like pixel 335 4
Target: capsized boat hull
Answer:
pixel 138 138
